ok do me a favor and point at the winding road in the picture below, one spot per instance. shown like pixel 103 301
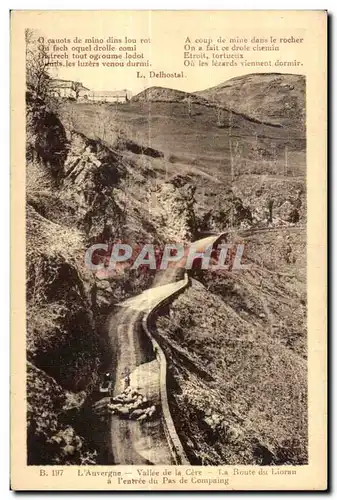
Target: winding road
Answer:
pixel 133 442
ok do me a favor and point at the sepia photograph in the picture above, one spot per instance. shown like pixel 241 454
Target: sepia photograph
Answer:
pixel 132 363
pixel 167 254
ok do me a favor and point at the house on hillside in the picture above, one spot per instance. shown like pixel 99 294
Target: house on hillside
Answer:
pixel 66 88
pixel 76 90
pixel 120 96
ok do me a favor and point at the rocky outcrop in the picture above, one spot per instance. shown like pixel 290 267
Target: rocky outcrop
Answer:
pixel 231 213
pixel 46 140
pixel 279 202
pixel 172 210
pixel 91 172
pixel 51 440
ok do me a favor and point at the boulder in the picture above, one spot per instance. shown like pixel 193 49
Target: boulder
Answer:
pixel 151 411
pixel 69 449
pixel 136 414
pixel 142 417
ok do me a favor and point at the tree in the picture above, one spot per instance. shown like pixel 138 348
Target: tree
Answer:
pixel 77 87
pixel 37 65
pixel 189 104
pixel 230 146
pixel 220 116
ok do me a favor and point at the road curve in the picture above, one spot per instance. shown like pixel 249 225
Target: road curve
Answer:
pixel 133 442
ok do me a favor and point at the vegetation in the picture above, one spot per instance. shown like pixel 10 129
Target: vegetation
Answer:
pixel 237 368
pixel 270 97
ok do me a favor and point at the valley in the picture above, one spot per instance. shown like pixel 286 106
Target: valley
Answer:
pixel 170 166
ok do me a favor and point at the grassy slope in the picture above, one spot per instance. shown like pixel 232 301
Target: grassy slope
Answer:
pixel 195 140
pixel 194 146
pixel 266 96
pixel 237 351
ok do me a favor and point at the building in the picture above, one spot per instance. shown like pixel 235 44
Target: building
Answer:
pixel 76 90
pixel 120 96
pixel 67 88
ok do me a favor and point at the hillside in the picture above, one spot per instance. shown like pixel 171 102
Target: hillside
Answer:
pixel 237 349
pixel 195 139
pixel 165 94
pixel 160 94
pixel 273 97
pixel 238 395
pixel 80 191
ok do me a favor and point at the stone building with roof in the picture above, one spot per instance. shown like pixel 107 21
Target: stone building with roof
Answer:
pixel 120 96
pixel 66 88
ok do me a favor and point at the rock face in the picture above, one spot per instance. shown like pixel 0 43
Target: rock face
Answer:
pixel 257 201
pixel 46 139
pixel 231 213
pixel 273 201
pixel 61 336
pixel 172 210
pixel 103 293
pixel 64 183
pixel 51 442
pixel 91 172
pixel 62 345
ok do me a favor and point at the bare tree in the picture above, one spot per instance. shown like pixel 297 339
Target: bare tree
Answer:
pixel 220 116
pixel 189 104
pixel 77 87
pixel 37 65
pixel 230 146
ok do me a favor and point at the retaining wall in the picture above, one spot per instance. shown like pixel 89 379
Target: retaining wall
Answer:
pixel 169 428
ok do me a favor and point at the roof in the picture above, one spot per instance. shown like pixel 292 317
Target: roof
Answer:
pixel 57 82
pixel 108 93
pixel 62 83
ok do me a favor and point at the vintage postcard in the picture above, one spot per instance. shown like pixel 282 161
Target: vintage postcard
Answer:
pixel 169 250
